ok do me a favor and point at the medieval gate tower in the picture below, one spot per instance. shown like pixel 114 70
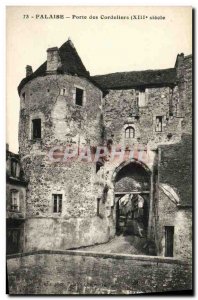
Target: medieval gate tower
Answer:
pixel 74 203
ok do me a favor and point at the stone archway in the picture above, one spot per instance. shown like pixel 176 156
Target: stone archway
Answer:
pixel 132 192
pixel 126 163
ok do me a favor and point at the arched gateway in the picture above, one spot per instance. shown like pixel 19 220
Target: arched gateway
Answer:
pixel 133 196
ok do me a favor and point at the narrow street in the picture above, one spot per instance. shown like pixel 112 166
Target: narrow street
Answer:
pixel 121 244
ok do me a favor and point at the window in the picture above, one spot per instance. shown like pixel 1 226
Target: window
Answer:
pixel 171 105
pixel 129 132
pixel 13 167
pixel 169 241
pixel 79 97
pixel 140 99
pixel 14 200
pixel 23 96
pixel 98 206
pixel 98 166
pixel 158 124
pixel 63 92
pixel 57 202
pixel 36 128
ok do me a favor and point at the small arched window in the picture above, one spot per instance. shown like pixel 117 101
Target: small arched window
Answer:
pixel 129 132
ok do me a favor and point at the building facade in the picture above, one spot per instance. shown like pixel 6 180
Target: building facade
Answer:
pixel 15 204
pixel 91 146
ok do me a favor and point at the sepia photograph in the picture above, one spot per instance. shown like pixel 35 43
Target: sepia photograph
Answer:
pixel 99 139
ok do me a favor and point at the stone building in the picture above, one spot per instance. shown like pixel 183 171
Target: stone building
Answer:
pixel 129 139
pixel 15 203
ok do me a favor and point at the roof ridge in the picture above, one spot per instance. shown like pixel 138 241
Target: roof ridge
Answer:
pixel 188 56
pixel 126 80
pixel 138 71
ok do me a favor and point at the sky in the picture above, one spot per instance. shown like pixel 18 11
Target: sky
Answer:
pixel 104 45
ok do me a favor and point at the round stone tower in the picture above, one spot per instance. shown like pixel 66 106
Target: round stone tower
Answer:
pixel 60 116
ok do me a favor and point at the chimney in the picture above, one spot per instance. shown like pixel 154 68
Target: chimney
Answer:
pixel 7 147
pixel 179 60
pixel 53 60
pixel 179 64
pixel 28 70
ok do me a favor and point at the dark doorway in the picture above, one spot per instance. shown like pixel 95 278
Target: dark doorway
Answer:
pixel 169 241
pixel 13 240
pixel 14 236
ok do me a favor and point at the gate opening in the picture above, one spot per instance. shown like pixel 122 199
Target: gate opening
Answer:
pixel 132 198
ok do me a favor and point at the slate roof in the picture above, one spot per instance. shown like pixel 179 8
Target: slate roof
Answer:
pixel 71 61
pixel 71 64
pixel 124 80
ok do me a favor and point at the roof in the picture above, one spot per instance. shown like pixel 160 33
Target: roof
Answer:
pixel 124 80
pixel 71 64
pixel 12 155
pixel 71 61
pixel 16 180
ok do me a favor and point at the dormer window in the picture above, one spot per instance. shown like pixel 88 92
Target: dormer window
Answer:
pixel 36 129
pixel 129 132
pixel 79 96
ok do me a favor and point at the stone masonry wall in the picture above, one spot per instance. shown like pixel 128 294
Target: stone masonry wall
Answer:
pixel 181 218
pixel 122 102
pixel 175 161
pixel 84 273
pixel 185 90
pixel 174 104
pixel 63 123
pixel 62 119
pixel 175 168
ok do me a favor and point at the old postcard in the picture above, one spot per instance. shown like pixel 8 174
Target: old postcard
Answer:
pixel 99 150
